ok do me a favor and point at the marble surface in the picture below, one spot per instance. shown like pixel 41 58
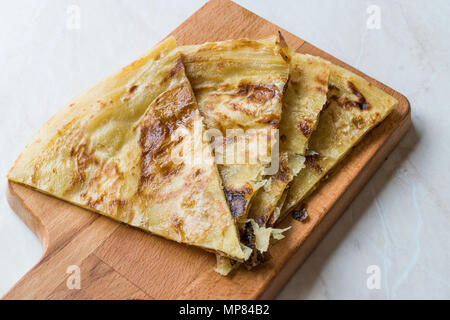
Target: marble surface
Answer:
pixel 400 221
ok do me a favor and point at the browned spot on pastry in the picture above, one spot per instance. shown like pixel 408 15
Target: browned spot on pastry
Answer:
pixel 358 121
pixel 332 87
pixel 284 173
pixel 322 78
pixel 312 161
pixel 178 67
pixel 257 93
pixel 156 145
pixel 101 103
pixel 119 202
pixel 222 65
pixel 237 107
pixel 361 103
pixel 197 173
pixel 36 168
pixel 330 98
pixel 225 87
pixel 236 199
pixel 272 120
pixel 94 203
pixel 188 202
pixel 173 109
pixel 82 158
pixel 376 117
pixel 177 224
pixel 320 90
pixel 133 89
pixel 170 169
pixel 306 127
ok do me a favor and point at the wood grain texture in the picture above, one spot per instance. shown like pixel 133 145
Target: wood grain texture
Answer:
pixel 119 262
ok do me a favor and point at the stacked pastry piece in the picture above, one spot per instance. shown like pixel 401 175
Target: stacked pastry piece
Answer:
pixel 150 145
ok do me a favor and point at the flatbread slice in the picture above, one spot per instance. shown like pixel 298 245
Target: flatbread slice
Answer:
pixel 354 106
pixel 304 98
pixel 111 150
pixel 239 85
pixel 302 103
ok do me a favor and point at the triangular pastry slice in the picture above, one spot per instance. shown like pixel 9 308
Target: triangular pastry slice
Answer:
pixel 354 106
pixel 239 85
pixel 111 150
pixel 303 101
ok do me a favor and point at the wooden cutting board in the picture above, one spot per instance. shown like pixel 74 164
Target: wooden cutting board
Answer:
pixel 119 262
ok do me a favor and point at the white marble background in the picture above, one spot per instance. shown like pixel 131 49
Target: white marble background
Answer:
pixel 399 222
